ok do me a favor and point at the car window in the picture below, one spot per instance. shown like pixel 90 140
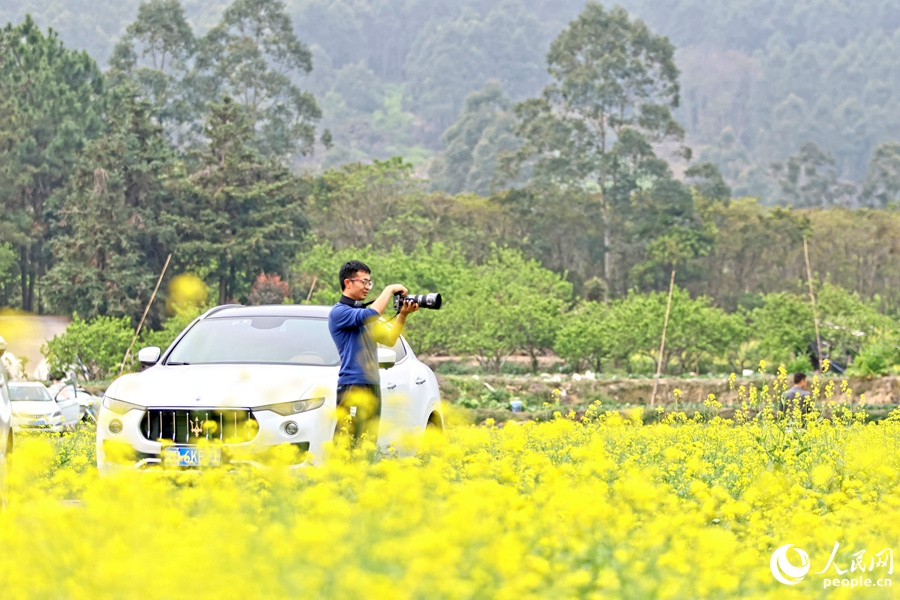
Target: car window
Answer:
pixel 30 393
pixel 257 340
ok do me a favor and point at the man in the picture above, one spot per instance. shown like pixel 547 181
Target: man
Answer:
pixel 797 396
pixel 355 329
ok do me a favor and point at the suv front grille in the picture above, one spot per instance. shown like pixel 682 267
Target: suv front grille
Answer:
pixel 181 426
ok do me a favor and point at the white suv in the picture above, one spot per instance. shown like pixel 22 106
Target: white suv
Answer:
pixel 241 381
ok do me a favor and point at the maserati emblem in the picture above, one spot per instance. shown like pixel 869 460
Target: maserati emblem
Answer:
pixel 195 427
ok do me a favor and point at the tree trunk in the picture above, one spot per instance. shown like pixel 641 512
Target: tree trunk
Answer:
pixel 662 343
pixel 23 269
pixel 812 298
pixel 607 261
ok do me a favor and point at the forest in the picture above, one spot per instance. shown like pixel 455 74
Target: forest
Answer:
pixel 564 161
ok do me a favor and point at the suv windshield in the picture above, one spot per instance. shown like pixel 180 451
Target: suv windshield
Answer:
pixel 257 340
pixel 29 392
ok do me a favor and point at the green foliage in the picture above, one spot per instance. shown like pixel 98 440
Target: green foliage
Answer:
pixel 112 239
pixel 786 330
pixel 697 332
pixel 485 306
pixel 483 130
pixel 800 364
pixel 50 109
pixel 241 214
pixel 352 203
pixel 8 263
pixel 882 184
pixel 810 178
pixel 507 304
pixel 99 344
pixel 156 53
pixel 584 337
pixel 588 139
pixel 450 59
pixel 760 78
pixel 784 325
pixel 254 57
pixel 875 358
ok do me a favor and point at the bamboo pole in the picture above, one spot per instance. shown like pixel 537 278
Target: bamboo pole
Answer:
pixel 311 288
pixel 662 343
pixel 144 316
pixel 812 298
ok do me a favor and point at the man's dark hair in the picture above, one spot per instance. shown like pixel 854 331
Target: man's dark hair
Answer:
pixel 798 377
pixel 350 269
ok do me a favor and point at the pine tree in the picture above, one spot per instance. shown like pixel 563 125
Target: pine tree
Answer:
pixel 50 110
pixel 112 241
pixel 243 213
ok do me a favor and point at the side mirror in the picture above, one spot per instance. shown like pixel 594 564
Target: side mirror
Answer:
pixel 387 358
pixel 148 356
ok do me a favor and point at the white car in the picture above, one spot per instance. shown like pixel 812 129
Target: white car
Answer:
pixel 241 383
pixel 88 403
pixel 6 428
pixel 34 408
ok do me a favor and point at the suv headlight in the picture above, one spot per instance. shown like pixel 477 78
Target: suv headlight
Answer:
pixel 292 408
pixel 119 407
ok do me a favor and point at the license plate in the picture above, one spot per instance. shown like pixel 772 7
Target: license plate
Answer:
pixel 38 422
pixel 193 457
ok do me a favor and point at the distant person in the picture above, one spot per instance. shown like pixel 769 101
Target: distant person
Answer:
pixel 797 396
pixel 355 329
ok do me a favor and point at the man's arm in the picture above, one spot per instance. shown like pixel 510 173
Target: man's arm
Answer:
pixel 388 333
pixel 381 303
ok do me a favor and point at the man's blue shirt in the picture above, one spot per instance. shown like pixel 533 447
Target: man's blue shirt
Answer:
pixel 351 331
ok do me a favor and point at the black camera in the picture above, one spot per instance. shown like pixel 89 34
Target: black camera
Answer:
pixel 432 301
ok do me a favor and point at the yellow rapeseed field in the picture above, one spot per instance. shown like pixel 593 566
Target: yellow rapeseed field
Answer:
pixel 595 506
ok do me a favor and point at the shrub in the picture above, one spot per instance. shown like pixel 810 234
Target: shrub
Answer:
pixel 99 345
pixel 268 289
pixel 875 359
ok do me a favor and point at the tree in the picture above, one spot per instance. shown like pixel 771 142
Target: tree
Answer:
pixel 882 184
pixel 483 130
pixel 156 52
pixel 697 330
pixel 111 243
pixel 350 203
pixel 7 273
pixel 99 344
pixel 454 56
pixel 50 112
pixel 254 57
pixel 809 178
pixel 509 304
pixel 784 325
pixel 241 213
pixel 591 133
pixel 584 336
pixel 268 289
pixel 706 180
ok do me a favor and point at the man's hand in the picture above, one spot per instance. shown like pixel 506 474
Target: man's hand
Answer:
pixel 384 300
pixel 408 308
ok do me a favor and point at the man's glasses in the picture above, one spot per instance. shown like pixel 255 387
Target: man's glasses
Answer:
pixel 366 282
